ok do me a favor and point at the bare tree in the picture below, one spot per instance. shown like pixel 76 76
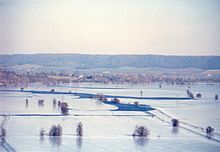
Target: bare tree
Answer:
pixel 216 97
pixel 64 108
pixel 54 102
pixel 190 94
pixel 79 129
pixel 141 131
pixel 26 101
pixel 41 102
pixel 42 132
pixel 116 100
pixel 3 130
pixel 136 103
pixel 198 95
pixel 55 130
pixel 175 122
pixel 209 129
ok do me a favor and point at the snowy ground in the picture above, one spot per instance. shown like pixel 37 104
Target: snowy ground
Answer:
pixel 106 130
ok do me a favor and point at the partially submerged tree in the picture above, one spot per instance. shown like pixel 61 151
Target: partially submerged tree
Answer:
pixel 136 103
pixel 55 130
pixel 42 132
pixel 116 100
pixel 141 93
pixel 2 127
pixel 100 97
pixel 26 102
pixel 198 95
pixel 79 129
pixel 59 103
pixel 209 129
pixel 190 94
pixel 64 108
pixel 141 131
pixel 54 102
pixel 175 122
pixel 41 102
pixel 216 97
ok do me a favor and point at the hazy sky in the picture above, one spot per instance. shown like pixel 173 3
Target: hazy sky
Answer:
pixel 180 27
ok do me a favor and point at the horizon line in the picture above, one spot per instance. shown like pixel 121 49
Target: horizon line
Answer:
pixel 128 54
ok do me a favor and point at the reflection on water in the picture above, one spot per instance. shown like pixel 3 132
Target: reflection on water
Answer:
pixel 140 141
pixel 210 135
pixel 26 105
pixel 79 141
pixel 55 140
pixel 175 130
pixel 6 145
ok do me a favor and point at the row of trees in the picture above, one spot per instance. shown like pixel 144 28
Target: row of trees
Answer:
pixel 56 130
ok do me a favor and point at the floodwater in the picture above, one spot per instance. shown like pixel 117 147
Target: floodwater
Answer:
pixel 107 130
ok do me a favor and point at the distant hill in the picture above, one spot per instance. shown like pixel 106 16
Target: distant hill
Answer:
pixel 85 61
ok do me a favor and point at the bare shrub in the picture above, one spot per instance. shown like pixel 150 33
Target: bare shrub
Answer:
pixel 141 131
pixel 116 100
pixel 55 130
pixel 41 102
pixel 54 102
pixel 79 129
pixel 42 132
pixel 216 97
pixel 136 103
pixel 64 108
pixel 175 122
pixel 26 101
pixel 190 94
pixel 100 97
pixel 198 95
pixel 59 103
pixel 209 129
pixel 2 128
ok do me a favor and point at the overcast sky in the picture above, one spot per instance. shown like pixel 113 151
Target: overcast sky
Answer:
pixel 178 27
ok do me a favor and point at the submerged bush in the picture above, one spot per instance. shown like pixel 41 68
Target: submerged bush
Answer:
pixel 59 103
pixel 116 100
pixel 136 103
pixel 42 132
pixel 141 131
pixel 101 97
pixel 79 129
pixel 198 95
pixel 64 108
pixel 216 97
pixel 55 130
pixel 26 101
pixel 190 94
pixel 40 102
pixel 175 122
pixel 209 129
pixel 54 102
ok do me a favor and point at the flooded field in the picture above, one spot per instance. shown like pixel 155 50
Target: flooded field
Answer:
pixel 105 128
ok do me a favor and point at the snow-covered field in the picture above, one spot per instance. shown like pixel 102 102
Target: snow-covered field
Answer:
pixel 106 130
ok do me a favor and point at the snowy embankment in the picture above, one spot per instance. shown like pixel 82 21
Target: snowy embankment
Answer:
pixel 90 95
pixel 166 118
